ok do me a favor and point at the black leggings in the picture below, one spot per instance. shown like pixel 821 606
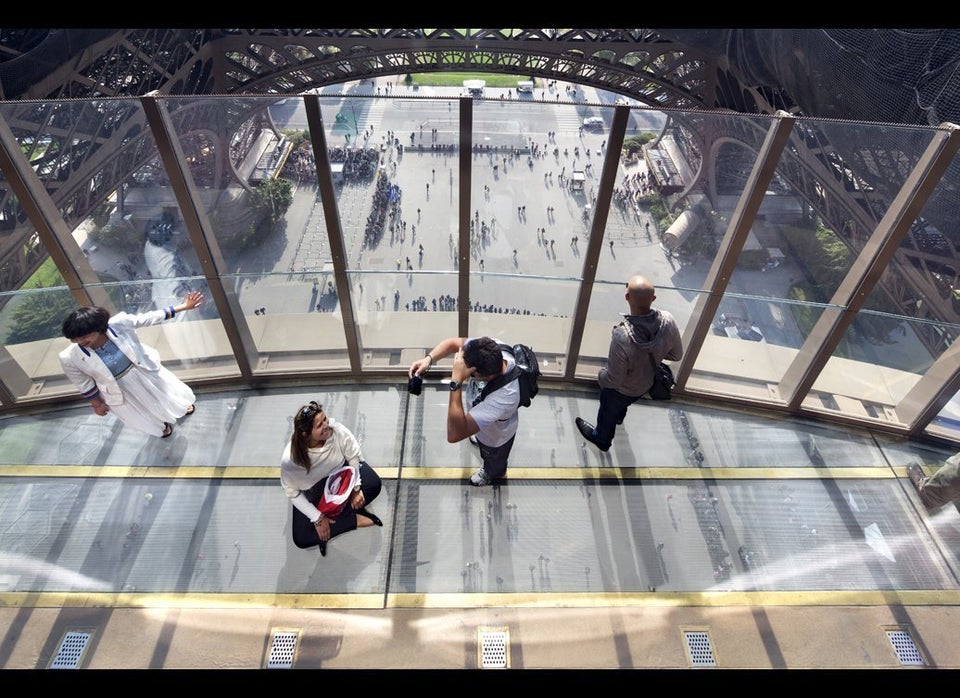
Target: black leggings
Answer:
pixel 305 533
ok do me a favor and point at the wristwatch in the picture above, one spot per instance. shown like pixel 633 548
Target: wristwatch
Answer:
pixel 454 385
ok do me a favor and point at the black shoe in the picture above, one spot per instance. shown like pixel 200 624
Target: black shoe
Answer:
pixel 373 517
pixel 915 473
pixel 323 548
pixel 586 431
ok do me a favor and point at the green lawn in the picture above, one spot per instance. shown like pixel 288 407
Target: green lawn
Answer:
pixel 456 79
pixel 46 276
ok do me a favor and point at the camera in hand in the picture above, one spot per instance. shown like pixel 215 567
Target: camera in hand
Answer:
pixel 415 385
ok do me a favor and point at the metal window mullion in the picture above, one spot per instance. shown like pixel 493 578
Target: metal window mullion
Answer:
pixel 198 227
pixel 608 178
pixel 331 217
pixel 463 251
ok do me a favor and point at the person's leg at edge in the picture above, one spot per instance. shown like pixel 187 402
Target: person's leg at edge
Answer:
pixel 612 409
pixel 941 487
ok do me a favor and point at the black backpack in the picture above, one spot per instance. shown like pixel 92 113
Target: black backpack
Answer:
pixel 526 370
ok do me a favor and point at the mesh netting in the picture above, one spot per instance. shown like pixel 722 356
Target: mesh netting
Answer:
pixel 904 76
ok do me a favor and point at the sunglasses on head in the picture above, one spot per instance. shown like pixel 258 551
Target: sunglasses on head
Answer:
pixel 312 409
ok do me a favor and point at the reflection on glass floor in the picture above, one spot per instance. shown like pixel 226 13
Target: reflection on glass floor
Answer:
pixel 690 500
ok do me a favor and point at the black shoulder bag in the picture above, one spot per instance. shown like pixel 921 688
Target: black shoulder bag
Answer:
pixel 663 381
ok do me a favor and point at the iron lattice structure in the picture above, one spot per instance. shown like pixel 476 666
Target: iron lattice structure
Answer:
pixel 83 151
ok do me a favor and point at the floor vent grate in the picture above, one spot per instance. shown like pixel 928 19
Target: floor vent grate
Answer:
pixel 71 650
pixel 493 648
pixel 699 648
pixel 905 648
pixel 283 649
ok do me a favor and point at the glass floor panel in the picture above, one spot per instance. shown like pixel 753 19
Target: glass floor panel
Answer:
pixel 232 536
pixel 769 505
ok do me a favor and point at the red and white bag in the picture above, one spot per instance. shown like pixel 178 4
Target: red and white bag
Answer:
pixel 337 491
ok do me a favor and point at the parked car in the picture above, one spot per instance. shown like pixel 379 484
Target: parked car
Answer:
pixel 738 328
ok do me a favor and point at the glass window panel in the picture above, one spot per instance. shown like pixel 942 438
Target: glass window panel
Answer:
pixel 422 189
pixel 23 255
pixel 879 360
pixel 606 304
pixel 401 316
pixel 32 338
pixel 395 171
pixel 525 217
pixel 905 324
pixel 528 310
pixel 124 220
pixel 267 219
pixel 105 210
pixel 294 320
pixel 234 154
pixel 751 343
pixel 401 224
pixel 636 205
pixel 841 210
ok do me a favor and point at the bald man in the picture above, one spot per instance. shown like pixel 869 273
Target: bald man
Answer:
pixel 643 334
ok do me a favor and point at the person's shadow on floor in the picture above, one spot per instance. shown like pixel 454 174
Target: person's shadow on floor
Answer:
pixel 355 563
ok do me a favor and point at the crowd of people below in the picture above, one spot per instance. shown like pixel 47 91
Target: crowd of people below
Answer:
pixel 385 207
pixel 448 303
pixel 359 164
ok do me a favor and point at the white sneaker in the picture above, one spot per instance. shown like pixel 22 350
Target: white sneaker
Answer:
pixel 480 478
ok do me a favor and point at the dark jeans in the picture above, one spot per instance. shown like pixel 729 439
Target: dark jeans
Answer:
pixel 305 533
pixel 495 458
pixel 612 410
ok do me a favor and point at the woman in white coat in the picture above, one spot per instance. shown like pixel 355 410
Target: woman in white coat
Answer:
pixel 117 373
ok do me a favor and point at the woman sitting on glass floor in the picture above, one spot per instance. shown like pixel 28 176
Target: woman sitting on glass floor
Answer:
pixel 318 448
